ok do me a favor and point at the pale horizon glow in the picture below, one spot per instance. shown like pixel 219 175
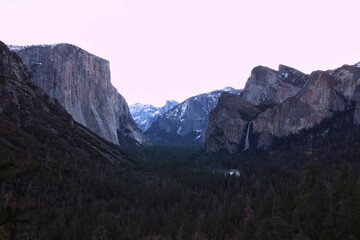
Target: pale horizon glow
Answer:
pixel 170 50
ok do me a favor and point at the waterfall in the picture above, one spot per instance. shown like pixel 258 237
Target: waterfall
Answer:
pixel 247 141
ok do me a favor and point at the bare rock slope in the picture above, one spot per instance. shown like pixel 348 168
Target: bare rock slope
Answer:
pixel 282 102
pixel 80 81
pixel 36 129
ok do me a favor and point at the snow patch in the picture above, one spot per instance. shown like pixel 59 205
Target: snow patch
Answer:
pixel 232 172
pixel 179 130
pixel 183 109
pixel 285 75
pixel 332 71
pixel 15 48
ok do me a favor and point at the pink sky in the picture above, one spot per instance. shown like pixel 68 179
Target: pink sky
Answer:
pixel 174 49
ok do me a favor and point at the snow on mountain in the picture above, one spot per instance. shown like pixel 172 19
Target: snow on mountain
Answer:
pixel 185 124
pixel 145 114
pixel 17 48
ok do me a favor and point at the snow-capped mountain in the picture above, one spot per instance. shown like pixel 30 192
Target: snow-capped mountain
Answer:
pixel 145 114
pixel 185 124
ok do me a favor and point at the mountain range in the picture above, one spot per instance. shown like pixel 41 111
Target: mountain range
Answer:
pixel 61 180
pixel 145 114
pixel 185 124
pixel 273 103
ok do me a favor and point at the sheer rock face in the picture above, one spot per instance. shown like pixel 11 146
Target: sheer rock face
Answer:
pixel 315 102
pixel 267 86
pixel 227 123
pixel 307 103
pixel 81 83
pixel 41 128
pixel 323 94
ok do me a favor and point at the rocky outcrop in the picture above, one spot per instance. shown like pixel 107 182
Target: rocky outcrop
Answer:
pixel 185 124
pixel 223 131
pixel 36 129
pixel 81 83
pixel 267 86
pixel 323 94
pixel 145 114
pixel 316 98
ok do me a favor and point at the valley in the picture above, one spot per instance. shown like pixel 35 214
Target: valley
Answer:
pixel 277 160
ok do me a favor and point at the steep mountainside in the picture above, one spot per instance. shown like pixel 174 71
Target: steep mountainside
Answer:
pixel 145 114
pixel 231 112
pixel 185 124
pixel 81 83
pixel 310 100
pixel 35 127
pixel 266 86
pixel 48 162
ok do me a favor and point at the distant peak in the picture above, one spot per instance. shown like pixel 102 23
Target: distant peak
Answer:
pixel 261 68
pixel 284 68
pixel 228 89
pixel 171 102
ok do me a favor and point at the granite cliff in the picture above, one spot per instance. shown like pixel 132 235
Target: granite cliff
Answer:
pixel 279 103
pixel 223 131
pixel 267 86
pixel 80 81
pixel 36 129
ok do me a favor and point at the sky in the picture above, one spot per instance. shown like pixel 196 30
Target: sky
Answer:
pixel 173 49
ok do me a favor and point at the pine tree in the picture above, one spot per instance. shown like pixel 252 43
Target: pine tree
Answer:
pixel 347 203
pixel 249 230
pixel 311 203
pixel 270 223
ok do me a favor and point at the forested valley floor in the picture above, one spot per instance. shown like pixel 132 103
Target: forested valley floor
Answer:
pixel 308 191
